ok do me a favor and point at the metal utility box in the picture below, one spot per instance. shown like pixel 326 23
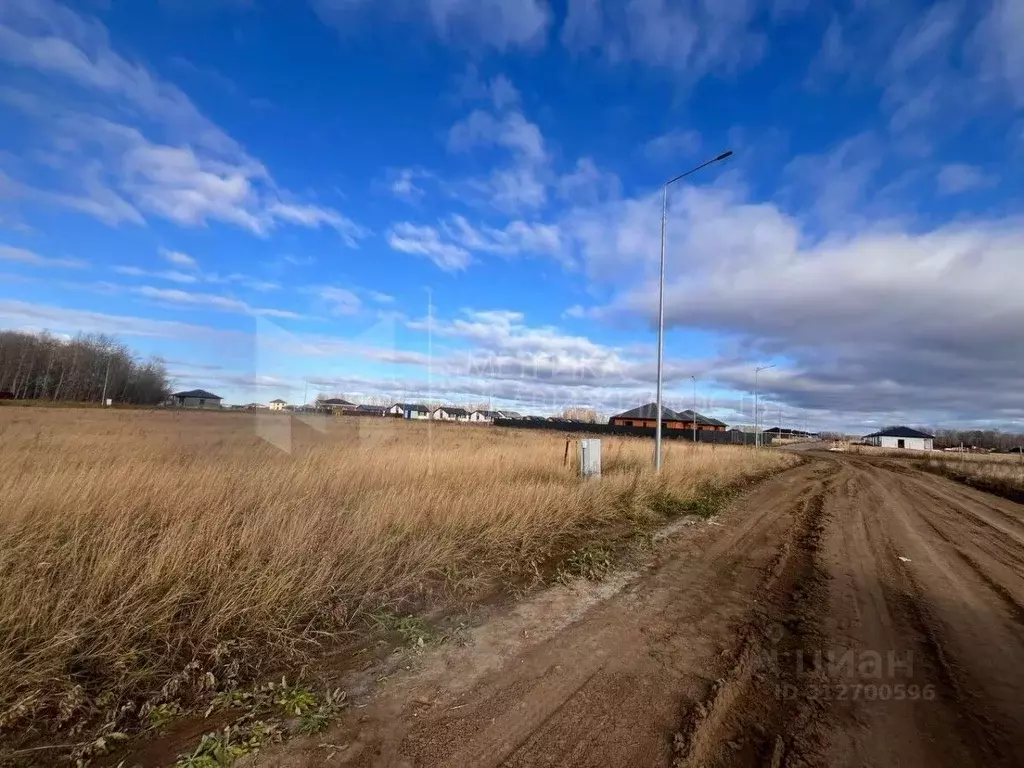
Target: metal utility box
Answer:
pixel 590 458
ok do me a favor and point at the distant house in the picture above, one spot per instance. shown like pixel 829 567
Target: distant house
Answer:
pixel 412 411
pixel 369 410
pixel 449 413
pixel 196 398
pixel 788 433
pixel 336 405
pixel 647 416
pixel 277 405
pixel 510 415
pixel 484 417
pixel 901 437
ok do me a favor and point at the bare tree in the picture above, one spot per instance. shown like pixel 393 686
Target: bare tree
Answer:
pixel 41 366
pixel 580 413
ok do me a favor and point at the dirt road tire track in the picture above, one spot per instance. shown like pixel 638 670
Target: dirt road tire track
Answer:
pixel 707 657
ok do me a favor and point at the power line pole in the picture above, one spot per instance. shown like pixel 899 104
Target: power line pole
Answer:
pixel 757 433
pixel 106 378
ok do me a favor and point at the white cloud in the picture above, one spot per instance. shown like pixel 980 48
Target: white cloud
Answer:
pixel 171 275
pixel 195 275
pixel 919 84
pixel 93 196
pixel 179 259
pixel 586 183
pixel 499 24
pixel 511 131
pixel 884 318
pixel 834 55
pixel 834 185
pixel 403 185
pixel 24 256
pixel 175 296
pixel 499 90
pixel 451 244
pixel 209 300
pixel 426 241
pixel 924 39
pixel 689 37
pixel 960 177
pixel 514 238
pixel 523 184
pixel 175 163
pixel 672 145
pixel 47 36
pixel 313 216
pixel 998 40
pixel 503 93
pixel 247 281
pixel 341 300
pixel 512 190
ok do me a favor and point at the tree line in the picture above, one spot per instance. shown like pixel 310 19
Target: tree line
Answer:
pixel 992 439
pixel 82 370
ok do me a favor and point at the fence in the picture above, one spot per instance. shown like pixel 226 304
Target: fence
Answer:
pixel 717 438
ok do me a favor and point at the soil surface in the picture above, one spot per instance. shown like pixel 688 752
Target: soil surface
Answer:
pixel 843 613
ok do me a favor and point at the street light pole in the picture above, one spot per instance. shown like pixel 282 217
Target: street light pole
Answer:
pixel 661 296
pixel 757 434
pixel 694 378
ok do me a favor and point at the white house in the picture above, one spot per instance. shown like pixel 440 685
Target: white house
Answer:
pixel 415 411
pixel 901 437
pixel 484 417
pixel 277 405
pixel 450 413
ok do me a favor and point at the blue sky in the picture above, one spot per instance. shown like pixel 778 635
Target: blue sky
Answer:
pixel 460 200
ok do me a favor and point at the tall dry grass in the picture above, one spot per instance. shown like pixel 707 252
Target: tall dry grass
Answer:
pixel 998 473
pixel 139 548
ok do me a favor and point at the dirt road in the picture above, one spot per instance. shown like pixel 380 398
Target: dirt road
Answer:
pixel 841 614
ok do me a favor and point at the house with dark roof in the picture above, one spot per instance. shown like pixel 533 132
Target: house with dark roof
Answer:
pixel 449 413
pixel 335 405
pixel 647 416
pixel 369 410
pixel 510 415
pixel 901 437
pixel 196 398
pixel 278 404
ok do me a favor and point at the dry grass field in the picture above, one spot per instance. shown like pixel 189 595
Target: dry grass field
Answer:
pixel 999 473
pixel 143 554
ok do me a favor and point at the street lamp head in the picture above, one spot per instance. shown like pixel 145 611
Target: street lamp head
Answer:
pixel 727 153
